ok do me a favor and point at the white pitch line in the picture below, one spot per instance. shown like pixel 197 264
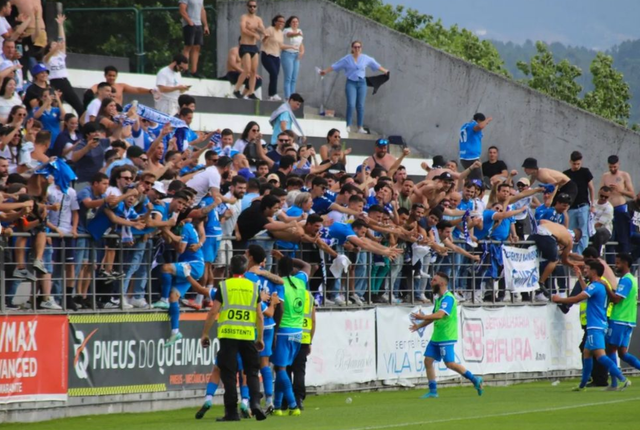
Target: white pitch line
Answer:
pixel 505 414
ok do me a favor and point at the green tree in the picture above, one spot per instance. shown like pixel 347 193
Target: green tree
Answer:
pixel 611 94
pixel 555 79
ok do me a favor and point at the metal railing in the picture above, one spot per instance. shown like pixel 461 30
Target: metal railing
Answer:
pixel 139 20
pixel 370 280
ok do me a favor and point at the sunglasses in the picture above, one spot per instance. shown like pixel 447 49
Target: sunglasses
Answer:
pixel 144 160
pixel 252 6
pixel 127 178
pixel 602 196
pixel 148 183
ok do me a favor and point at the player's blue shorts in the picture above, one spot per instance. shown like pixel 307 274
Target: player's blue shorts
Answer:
pixel 619 335
pixel 287 347
pixel 595 339
pixel 180 282
pixel 210 249
pixel 267 335
pixel 441 351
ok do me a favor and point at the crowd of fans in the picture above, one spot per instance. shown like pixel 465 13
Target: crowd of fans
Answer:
pixel 145 189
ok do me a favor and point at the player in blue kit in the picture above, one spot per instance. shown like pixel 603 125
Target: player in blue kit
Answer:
pixel 596 295
pixel 271 290
pixel 623 316
pixel 174 275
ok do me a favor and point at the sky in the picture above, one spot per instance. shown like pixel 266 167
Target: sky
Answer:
pixel 571 22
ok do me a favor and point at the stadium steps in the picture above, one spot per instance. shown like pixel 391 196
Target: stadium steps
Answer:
pixel 216 108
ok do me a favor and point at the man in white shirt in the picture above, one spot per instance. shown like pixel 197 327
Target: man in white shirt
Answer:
pixel 209 179
pixel 602 218
pixel 104 91
pixel 169 84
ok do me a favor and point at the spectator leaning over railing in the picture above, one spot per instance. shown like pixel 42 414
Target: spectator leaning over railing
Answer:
pixel 355 66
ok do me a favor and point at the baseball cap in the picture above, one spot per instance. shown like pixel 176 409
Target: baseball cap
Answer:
pixel 273 177
pixel 382 142
pixel 445 176
pixel 563 198
pixel 530 163
pixel 359 168
pixel 477 183
pixel 159 187
pixel 224 161
pixel 524 181
pixel 39 68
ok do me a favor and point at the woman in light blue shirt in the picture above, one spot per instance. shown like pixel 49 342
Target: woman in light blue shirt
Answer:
pixel 355 66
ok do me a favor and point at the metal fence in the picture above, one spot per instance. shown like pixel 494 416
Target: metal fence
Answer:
pixel 74 269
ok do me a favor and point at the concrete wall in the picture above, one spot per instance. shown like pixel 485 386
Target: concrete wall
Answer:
pixel 431 94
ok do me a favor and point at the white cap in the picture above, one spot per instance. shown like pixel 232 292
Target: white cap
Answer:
pixel 159 187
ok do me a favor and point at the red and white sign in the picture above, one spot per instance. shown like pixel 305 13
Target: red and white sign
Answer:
pixel 33 358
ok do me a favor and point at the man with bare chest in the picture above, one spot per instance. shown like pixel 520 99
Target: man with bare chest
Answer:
pixel 118 89
pixel 251 31
pixel 621 189
pixel 562 182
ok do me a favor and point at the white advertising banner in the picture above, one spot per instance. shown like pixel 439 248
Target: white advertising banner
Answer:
pixel 491 340
pixel 521 268
pixel 401 352
pixel 344 348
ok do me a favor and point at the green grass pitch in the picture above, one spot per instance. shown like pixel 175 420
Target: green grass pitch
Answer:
pixel 532 406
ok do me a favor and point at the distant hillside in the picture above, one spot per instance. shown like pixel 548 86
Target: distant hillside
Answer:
pixel 626 58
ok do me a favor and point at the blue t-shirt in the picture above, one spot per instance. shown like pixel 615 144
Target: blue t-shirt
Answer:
pixel 263 282
pixel 50 120
pixel 190 237
pixel 247 200
pixel 188 169
pixel 501 231
pixel 550 214
pixel 331 195
pixel 84 213
pixel 372 200
pixel 470 142
pixel 321 205
pixel 596 306
pixel 212 227
pixel 341 232
pixel 284 116
pixel 92 161
pixel 465 205
pixel 293 211
pixel 98 226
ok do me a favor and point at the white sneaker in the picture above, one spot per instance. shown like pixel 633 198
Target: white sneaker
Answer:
pixel 423 298
pixel 126 304
pixel 356 299
pixel 112 305
pixel 477 299
pixel 361 130
pixel 516 297
pixel 385 298
pixel 275 98
pixel 541 298
pixel 139 303
pixel 425 275
pixel 348 129
pixel 328 302
pixel 460 297
pixel 50 304
pixel 340 301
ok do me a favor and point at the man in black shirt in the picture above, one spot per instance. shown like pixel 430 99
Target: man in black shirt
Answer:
pixel 259 216
pixel 494 170
pixel 579 210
